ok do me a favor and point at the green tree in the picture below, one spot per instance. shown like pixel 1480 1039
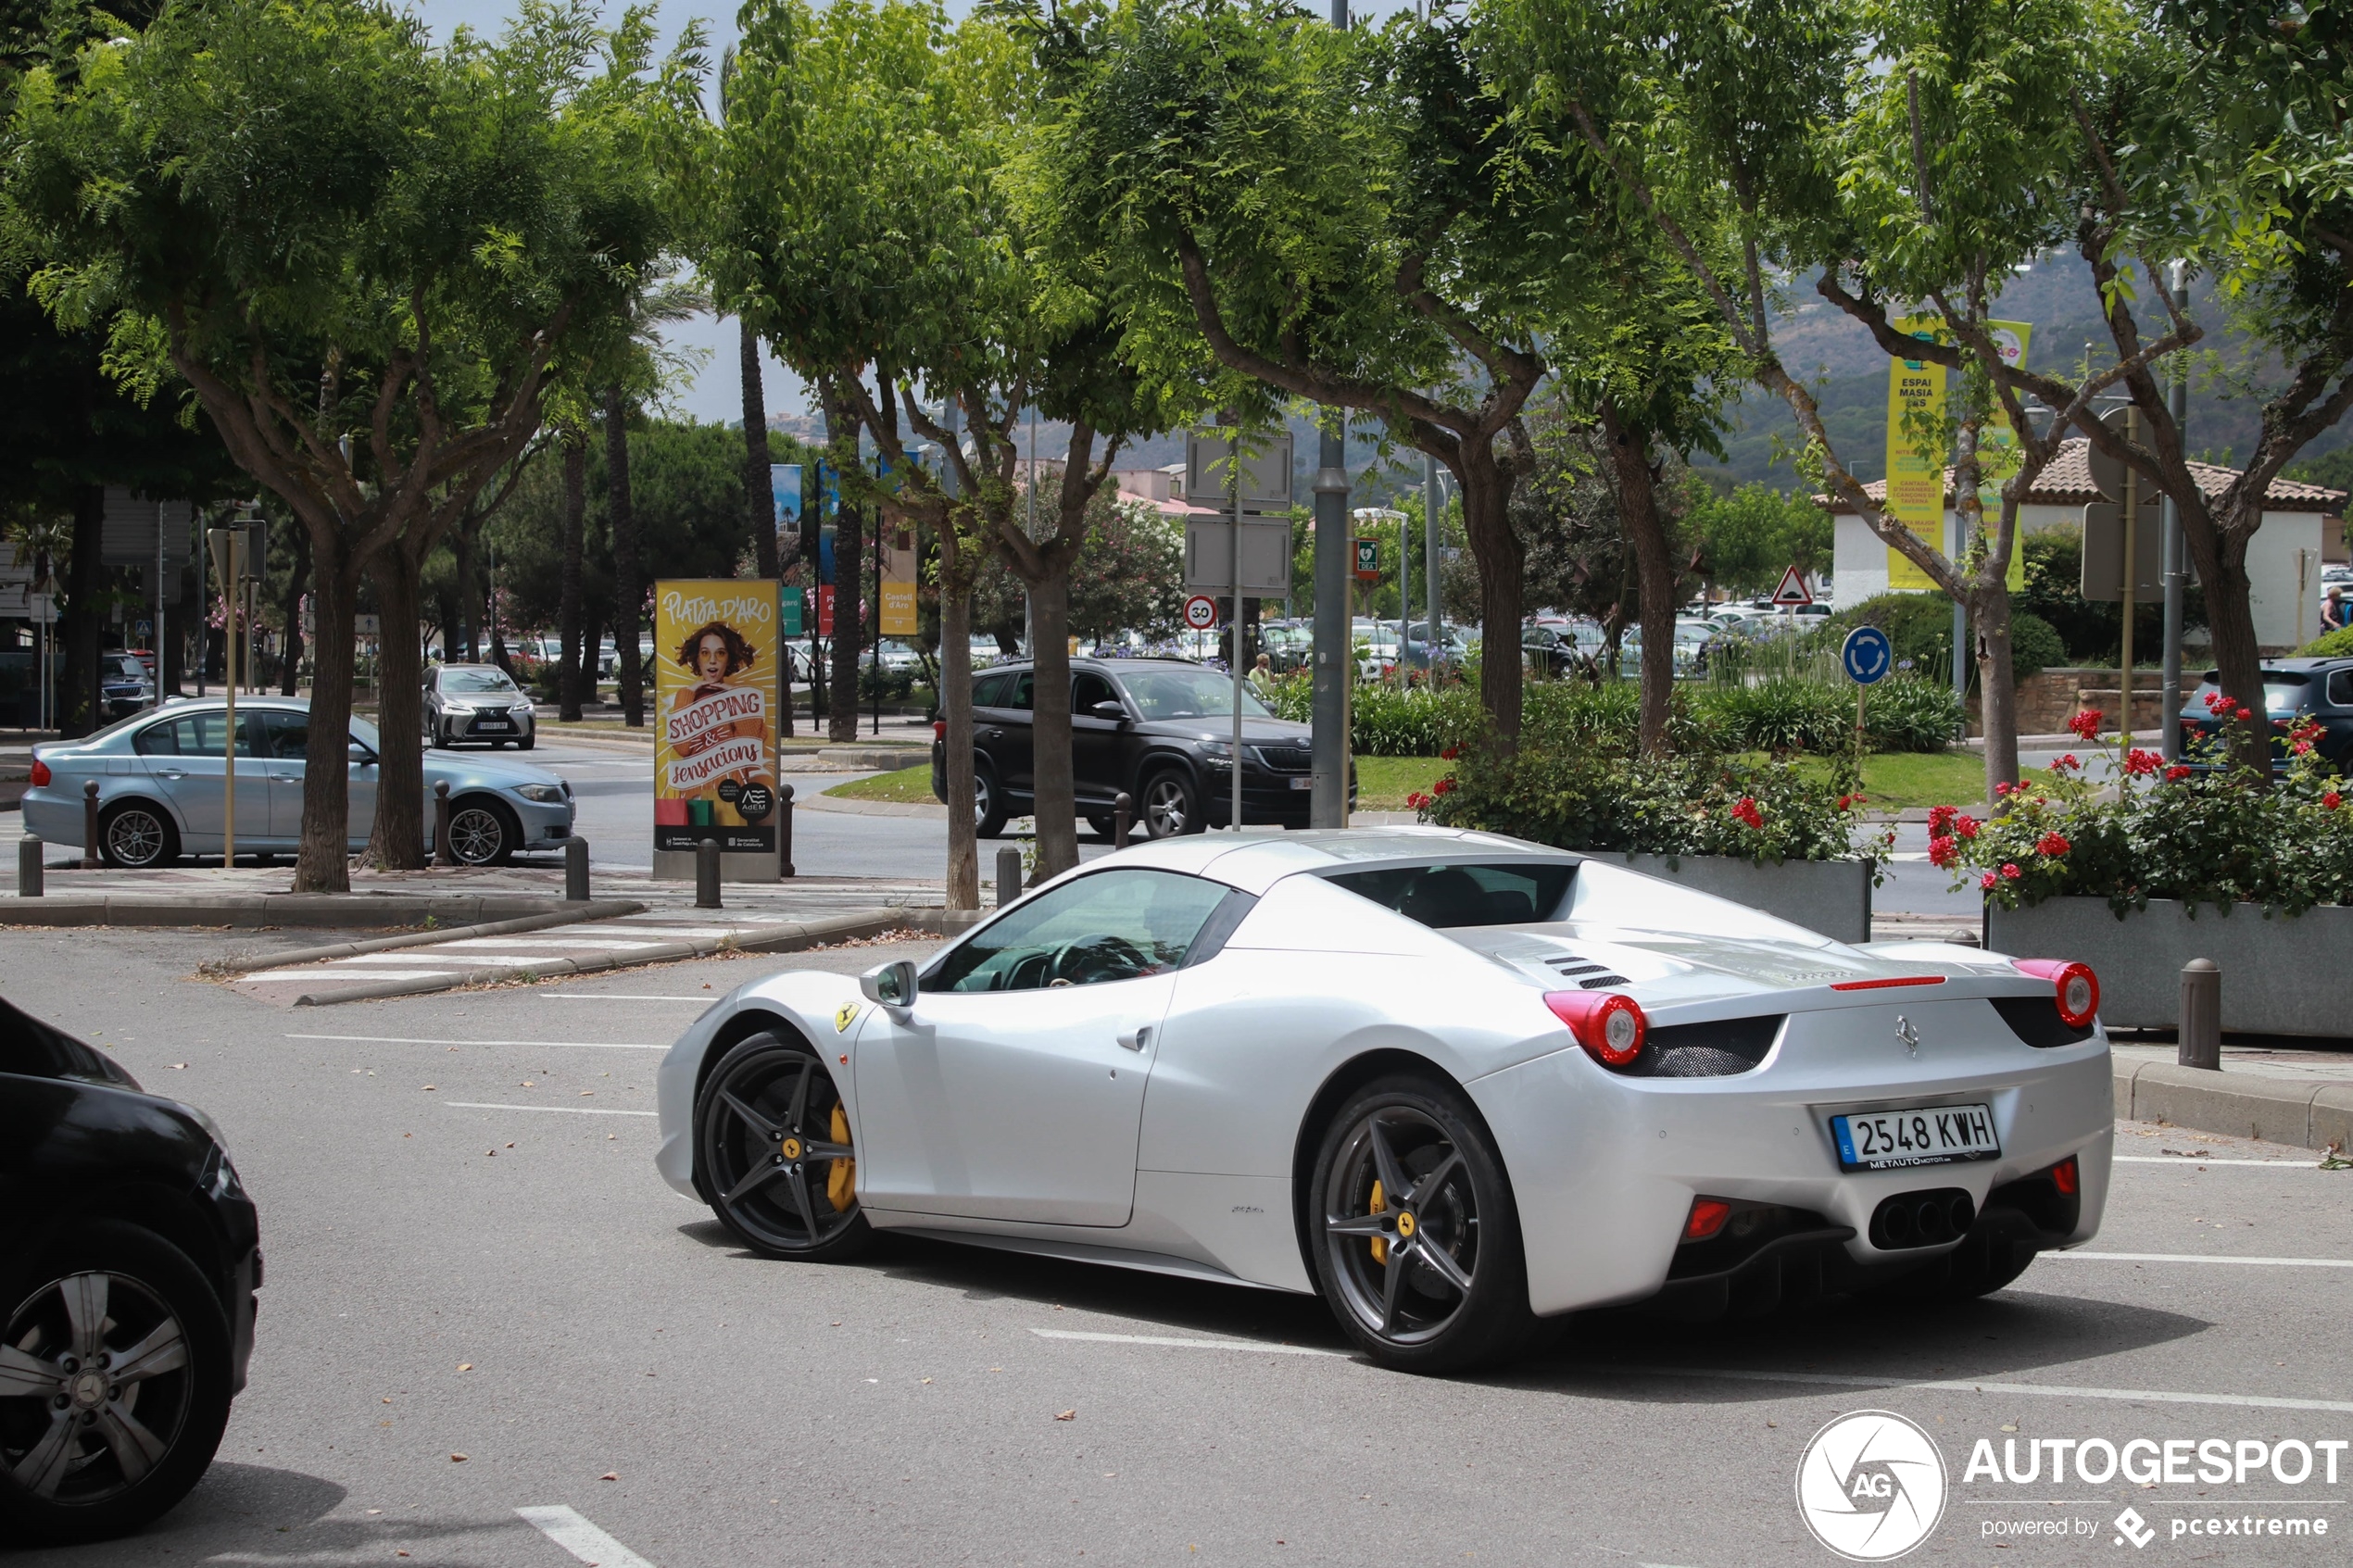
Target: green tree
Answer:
pixel 332 229
pixel 1753 535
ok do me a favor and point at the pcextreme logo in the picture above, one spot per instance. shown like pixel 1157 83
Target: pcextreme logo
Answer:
pixel 1871 1486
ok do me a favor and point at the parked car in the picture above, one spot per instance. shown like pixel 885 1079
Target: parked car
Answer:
pixel 125 685
pixel 2318 689
pixel 163 790
pixel 477 702
pixel 1158 730
pixel 1618 1090
pixel 129 1258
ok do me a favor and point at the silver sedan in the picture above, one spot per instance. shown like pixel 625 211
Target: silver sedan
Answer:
pixel 162 778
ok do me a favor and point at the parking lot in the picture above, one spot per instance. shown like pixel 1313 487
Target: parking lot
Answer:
pixel 490 1334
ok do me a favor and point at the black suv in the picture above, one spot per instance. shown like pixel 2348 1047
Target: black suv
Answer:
pixel 129 1258
pixel 1160 731
pixel 2294 689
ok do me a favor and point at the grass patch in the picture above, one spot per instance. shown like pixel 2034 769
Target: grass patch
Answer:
pixel 1894 780
pixel 1383 784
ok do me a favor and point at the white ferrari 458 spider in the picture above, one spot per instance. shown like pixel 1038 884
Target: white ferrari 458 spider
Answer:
pixel 1454 1083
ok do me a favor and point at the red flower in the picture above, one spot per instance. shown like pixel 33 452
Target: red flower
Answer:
pixel 2244 714
pixel 1986 881
pixel 1450 754
pixel 1943 850
pixel 2216 702
pixel 1746 813
pixel 2177 772
pixel 2051 844
pixel 2086 724
pixel 1444 785
pixel 1848 802
pixel 1966 827
pixel 2067 764
pixel 2331 800
pixel 2005 788
pixel 1939 819
pixel 1417 800
pixel 2009 870
pixel 2140 763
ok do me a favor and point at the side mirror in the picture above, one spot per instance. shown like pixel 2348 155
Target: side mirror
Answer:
pixel 1111 710
pixel 890 985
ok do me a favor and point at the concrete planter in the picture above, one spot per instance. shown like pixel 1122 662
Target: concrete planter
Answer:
pixel 2286 975
pixel 1830 897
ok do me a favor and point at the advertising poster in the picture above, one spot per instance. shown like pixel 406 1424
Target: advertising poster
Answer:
pixel 717 650
pixel 1916 451
pixel 784 489
pixel 899 580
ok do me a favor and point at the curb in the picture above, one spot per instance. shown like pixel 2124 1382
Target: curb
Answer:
pixel 245 911
pixel 602 908
pixel 2302 1114
pixel 789 938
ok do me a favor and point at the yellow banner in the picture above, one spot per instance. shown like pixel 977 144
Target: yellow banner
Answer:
pixel 716 655
pixel 898 582
pixel 1915 452
pixel 2001 458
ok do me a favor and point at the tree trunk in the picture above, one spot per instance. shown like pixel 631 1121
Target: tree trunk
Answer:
pixel 1989 611
pixel 322 864
pixel 170 652
pixel 629 586
pixel 297 584
pixel 1654 568
pixel 1501 562
pixel 569 681
pixel 2238 657
pixel 850 539
pixel 758 497
pixel 398 840
pixel 1054 794
pixel 80 709
pixel 956 709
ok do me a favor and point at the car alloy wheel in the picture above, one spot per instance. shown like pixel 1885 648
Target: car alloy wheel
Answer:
pixel 479 834
pixel 989 810
pixel 1169 807
pixel 136 837
pixel 775 1154
pixel 1418 1251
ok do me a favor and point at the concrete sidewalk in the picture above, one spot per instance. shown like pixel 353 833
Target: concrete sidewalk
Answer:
pixel 2300 1098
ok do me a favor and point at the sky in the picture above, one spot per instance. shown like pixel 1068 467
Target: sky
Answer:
pixel 714 391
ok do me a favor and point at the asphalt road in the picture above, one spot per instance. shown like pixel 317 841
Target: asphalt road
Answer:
pixel 490 1268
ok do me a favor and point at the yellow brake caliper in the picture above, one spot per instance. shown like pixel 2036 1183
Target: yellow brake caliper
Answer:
pixel 841 1182
pixel 1380 1243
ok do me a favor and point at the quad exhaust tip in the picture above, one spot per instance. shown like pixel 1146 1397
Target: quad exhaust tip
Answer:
pixel 1922 1218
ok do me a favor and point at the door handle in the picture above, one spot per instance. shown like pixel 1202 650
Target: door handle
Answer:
pixel 1137 1039
pixel 171 773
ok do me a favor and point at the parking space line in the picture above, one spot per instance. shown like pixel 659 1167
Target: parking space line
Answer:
pixel 617 996
pixel 2201 1161
pixel 568 1530
pixel 1253 1345
pixel 419 1040
pixel 2206 1258
pixel 567 1110
pixel 282 976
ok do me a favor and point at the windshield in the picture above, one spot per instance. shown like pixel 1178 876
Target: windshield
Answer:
pixel 476 681
pixel 2285 693
pixel 1188 694
pixel 123 667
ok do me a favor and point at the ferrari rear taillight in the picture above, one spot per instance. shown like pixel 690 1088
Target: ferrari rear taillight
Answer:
pixel 2066 1176
pixel 1610 1025
pixel 1707 1217
pixel 2074 987
pixel 40 772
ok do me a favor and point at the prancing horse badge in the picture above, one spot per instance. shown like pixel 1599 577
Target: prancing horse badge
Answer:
pixel 844 1016
pixel 1907 1033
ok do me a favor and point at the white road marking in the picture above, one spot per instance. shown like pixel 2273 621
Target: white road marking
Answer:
pixel 2206 1258
pixel 1185 1344
pixel 518 943
pixel 474 959
pixel 279 976
pixel 2201 1159
pixel 568 1530
pixel 617 996
pixel 419 1040
pixel 573 1110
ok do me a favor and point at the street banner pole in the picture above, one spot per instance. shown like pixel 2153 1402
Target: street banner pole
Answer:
pixel 1234 462
pixel 1335 657
pixel 2176 571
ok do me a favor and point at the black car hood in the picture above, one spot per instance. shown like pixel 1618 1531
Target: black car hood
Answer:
pixel 1272 731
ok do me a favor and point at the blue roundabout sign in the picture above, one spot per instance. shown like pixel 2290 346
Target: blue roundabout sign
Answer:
pixel 1867 655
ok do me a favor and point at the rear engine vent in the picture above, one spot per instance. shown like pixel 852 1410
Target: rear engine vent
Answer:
pixel 2036 1021
pixel 1588 974
pixel 1706 1050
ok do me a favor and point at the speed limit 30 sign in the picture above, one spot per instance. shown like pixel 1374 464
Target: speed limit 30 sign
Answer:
pixel 1200 612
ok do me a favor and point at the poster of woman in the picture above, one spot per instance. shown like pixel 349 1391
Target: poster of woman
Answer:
pixel 717 657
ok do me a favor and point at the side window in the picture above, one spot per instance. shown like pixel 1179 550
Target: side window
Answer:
pixel 1021 701
pixel 989 691
pixel 1111 925
pixel 158 740
pixel 197 735
pixel 1087 688
pixel 1451 895
pixel 2341 688
pixel 285 735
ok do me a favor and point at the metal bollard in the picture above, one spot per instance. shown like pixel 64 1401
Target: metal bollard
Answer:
pixel 442 854
pixel 2199 1044
pixel 707 873
pixel 29 884
pixel 784 831
pixel 1008 875
pixel 91 858
pixel 1123 817
pixel 575 870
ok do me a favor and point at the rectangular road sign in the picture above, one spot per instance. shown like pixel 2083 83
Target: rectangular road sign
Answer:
pixel 1367 560
pixel 1266 462
pixel 1266 557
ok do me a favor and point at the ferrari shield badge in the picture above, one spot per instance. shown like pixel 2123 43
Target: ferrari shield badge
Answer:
pixel 844 1016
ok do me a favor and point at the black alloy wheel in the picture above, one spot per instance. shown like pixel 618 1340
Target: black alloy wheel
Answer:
pixel 483 833
pixel 988 804
pixel 773 1152
pixel 1418 1246
pixel 114 1386
pixel 135 836
pixel 1172 806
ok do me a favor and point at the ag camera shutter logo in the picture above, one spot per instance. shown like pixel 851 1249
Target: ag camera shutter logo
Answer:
pixel 1871 1486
